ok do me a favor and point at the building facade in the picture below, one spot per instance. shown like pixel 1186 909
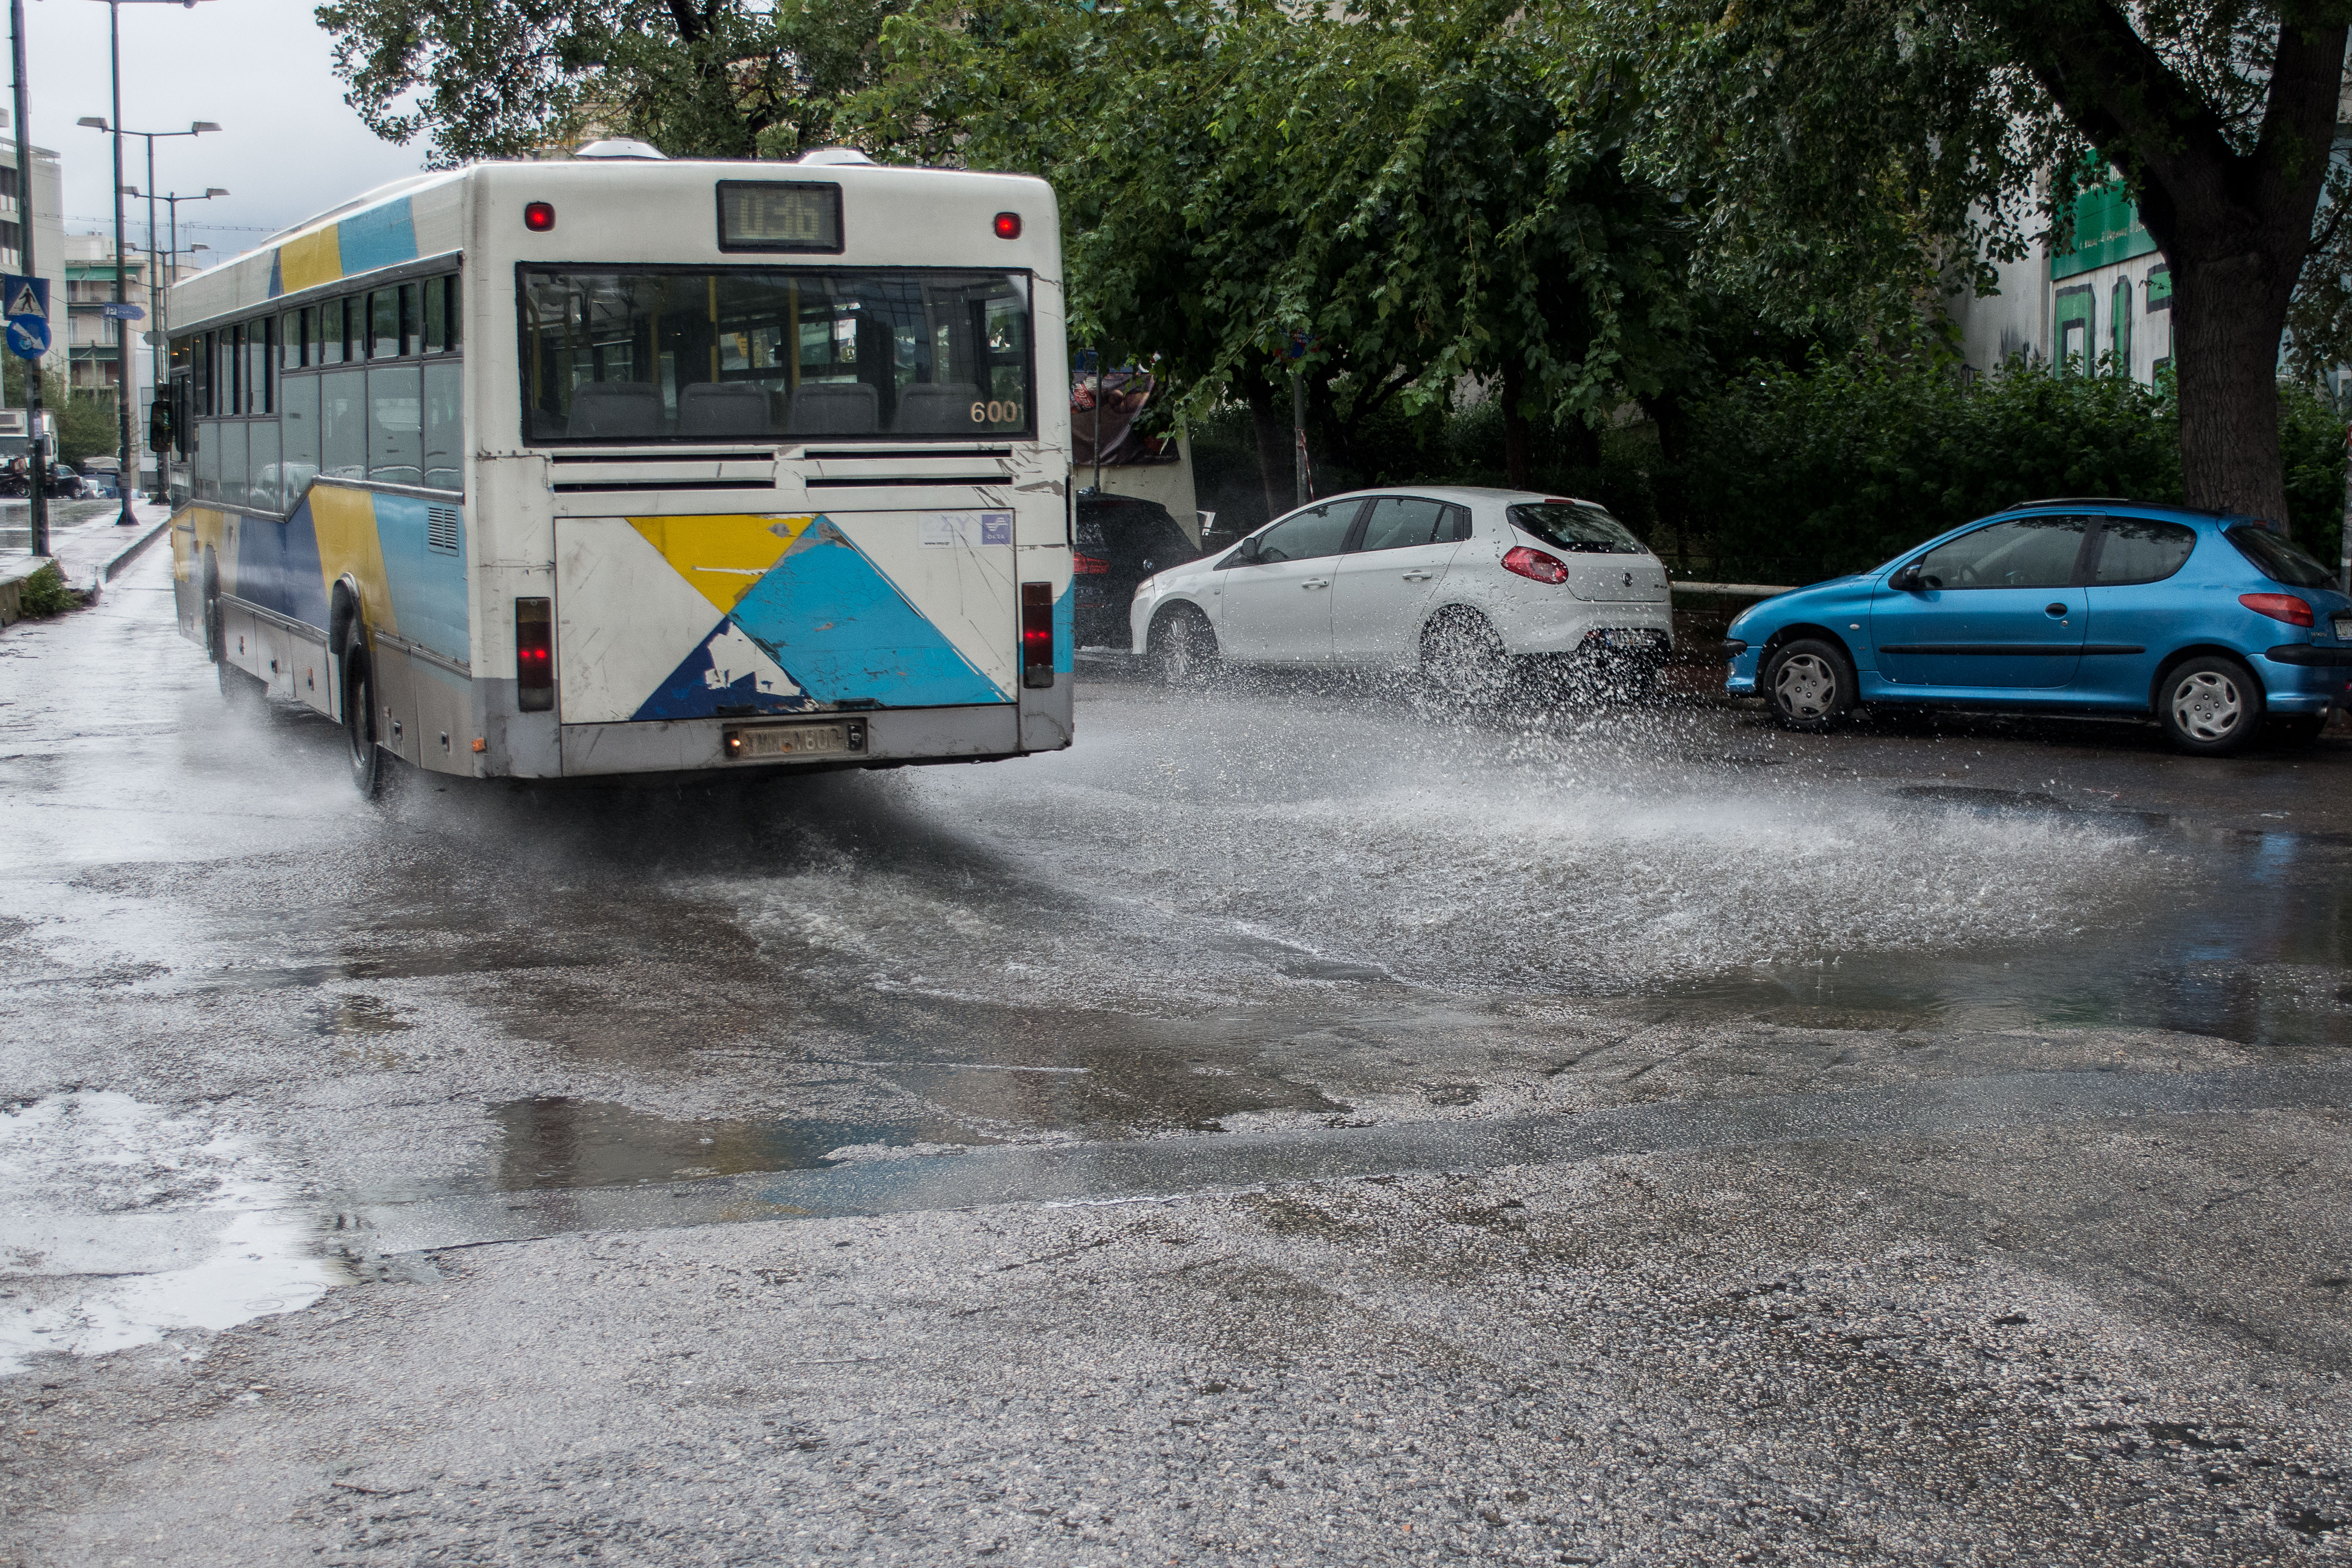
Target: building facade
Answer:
pixel 2104 302
pixel 44 213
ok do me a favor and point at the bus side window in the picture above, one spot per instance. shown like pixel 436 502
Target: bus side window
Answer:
pixel 445 382
pixel 436 315
pixel 455 310
pixel 330 321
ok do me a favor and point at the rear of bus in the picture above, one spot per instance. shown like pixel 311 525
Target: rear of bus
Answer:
pixel 771 467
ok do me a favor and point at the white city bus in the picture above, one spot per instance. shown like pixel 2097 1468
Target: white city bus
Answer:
pixel 604 466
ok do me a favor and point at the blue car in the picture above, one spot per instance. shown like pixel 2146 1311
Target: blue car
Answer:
pixel 2214 624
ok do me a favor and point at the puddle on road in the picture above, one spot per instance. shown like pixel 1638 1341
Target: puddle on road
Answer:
pixel 2250 950
pixel 124 1224
pixel 553 1142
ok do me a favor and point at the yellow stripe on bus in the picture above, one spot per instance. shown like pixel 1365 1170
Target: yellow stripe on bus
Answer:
pixel 348 545
pixel 723 556
pixel 313 259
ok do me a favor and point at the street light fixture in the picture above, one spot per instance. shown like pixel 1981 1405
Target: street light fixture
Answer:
pixel 130 475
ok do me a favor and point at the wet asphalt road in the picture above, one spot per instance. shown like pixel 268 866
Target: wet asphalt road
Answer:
pixel 1292 1116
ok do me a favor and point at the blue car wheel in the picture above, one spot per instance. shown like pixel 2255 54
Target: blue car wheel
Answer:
pixel 1808 684
pixel 2210 706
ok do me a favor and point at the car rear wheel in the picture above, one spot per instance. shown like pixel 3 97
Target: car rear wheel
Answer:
pixel 1809 684
pixel 1463 660
pixel 2210 706
pixel 1181 646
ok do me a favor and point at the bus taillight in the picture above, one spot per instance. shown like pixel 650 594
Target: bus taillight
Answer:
pixel 1008 226
pixel 1036 634
pixel 539 217
pixel 534 655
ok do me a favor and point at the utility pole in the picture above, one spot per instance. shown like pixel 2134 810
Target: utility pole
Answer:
pixel 125 367
pixel 36 498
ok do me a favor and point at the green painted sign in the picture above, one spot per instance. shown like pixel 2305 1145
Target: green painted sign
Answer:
pixel 2106 230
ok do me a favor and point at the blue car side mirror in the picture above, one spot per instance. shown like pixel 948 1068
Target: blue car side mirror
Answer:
pixel 1906 579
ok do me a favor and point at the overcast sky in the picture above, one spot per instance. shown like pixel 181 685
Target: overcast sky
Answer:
pixel 289 147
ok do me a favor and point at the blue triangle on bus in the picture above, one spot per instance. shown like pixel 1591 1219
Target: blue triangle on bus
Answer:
pixel 727 675
pixel 847 634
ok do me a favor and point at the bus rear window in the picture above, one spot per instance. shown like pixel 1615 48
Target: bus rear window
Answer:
pixel 652 354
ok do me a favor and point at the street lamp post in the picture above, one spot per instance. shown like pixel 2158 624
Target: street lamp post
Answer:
pixel 129 474
pixel 123 377
pixel 160 284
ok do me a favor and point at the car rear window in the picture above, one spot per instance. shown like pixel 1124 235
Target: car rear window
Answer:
pixel 1576 526
pixel 2278 560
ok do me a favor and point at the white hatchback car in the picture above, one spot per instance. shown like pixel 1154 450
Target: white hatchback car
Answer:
pixel 1461 583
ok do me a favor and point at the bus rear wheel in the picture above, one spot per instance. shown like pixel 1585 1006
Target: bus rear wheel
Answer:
pixel 367 758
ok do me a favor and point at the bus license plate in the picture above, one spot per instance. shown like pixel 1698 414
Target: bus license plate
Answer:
pixel 795 740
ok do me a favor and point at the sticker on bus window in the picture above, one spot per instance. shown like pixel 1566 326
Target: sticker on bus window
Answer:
pixel 967 528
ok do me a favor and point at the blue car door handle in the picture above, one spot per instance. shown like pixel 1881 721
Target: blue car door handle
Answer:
pixel 2054 609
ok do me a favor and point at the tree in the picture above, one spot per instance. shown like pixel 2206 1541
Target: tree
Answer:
pixel 86 424
pixel 492 79
pixel 1415 194
pixel 1832 133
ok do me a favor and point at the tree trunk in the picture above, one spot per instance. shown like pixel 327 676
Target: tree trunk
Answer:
pixel 2227 315
pixel 1274 443
pixel 2234 226
pixel 1517 460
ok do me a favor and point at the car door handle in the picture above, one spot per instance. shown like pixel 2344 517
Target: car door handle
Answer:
pixel 2054 609
pixel 1419 577
pixel 1316 582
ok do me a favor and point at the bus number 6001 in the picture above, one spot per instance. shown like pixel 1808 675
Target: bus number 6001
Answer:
pixel 996 414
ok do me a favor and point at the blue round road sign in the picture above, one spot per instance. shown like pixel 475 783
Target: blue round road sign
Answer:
pixel 28 337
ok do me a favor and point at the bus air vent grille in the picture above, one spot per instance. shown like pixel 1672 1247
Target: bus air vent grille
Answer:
pixel 441 528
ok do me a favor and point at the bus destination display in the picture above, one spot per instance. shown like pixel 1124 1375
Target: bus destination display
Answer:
pixel 775 215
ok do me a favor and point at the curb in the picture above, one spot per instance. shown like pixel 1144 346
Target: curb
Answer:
pixel 129 552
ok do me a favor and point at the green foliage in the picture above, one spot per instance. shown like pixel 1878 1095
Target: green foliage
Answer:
pixel 1797 476
pixel 492 79
pixel 1425 192
pixel 44 593
pixel 87 426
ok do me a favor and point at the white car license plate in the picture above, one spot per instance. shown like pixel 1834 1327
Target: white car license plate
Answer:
pixel 752 741
pixel 2344 628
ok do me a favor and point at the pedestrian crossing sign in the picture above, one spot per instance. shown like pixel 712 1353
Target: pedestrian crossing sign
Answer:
pixel 25 296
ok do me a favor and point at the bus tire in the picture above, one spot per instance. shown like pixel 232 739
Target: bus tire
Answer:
pixel 215 631
pixel 367 758
pixel 1181 646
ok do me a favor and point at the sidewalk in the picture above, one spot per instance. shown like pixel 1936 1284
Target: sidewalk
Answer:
pixel 85 540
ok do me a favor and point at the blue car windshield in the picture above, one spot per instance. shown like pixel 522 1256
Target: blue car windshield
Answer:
pixel 2278 560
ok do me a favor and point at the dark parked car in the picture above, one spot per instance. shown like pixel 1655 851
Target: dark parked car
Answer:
pixel 1121 540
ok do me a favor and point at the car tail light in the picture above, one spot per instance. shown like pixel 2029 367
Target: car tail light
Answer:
pixel 1535 563
pixel 1089 565
pixel 539 217
pixel 1036 634
pixel 534 655
pixel 2284 607
pixel 1008 226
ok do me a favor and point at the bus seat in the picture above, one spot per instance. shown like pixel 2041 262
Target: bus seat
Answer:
pixel 938 408
pixel 617 409
pixel 723 408
pixel 833 408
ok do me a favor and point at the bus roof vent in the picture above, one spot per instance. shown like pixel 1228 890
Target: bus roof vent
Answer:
pixel 833 155
pixel 620 147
